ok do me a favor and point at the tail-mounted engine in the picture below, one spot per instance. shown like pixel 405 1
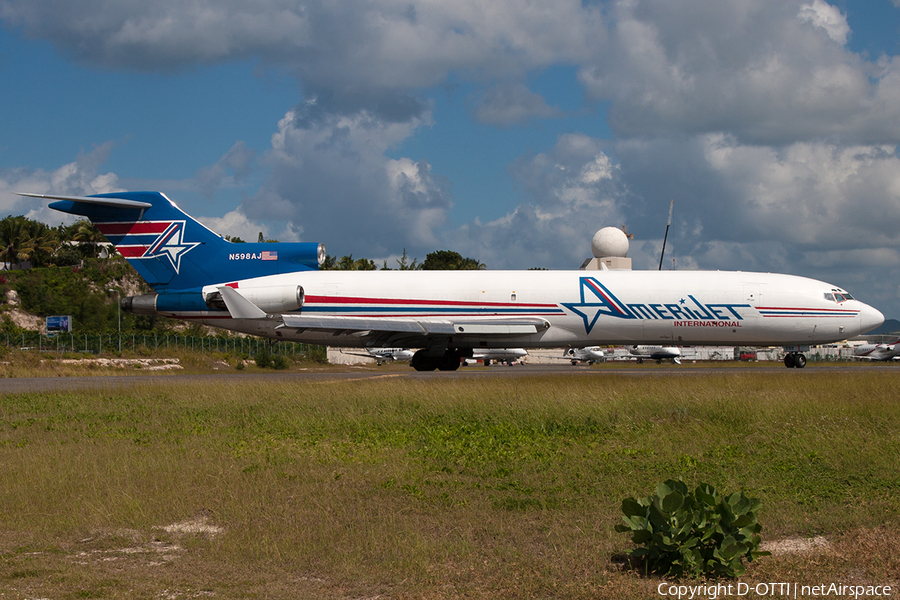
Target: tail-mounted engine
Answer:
pixel 272 299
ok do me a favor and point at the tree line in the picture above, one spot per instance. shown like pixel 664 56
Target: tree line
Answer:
pixel 24 241
pixel 88 288
pixel 439 260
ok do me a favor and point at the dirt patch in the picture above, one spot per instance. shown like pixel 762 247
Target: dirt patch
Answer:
pixel 145 364
pixel 131 546
pixel 796 545
pixel 199 525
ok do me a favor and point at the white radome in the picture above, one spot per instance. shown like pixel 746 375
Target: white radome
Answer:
pixel 609 241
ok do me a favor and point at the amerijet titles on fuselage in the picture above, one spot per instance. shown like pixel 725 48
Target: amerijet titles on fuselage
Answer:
pixel 597 300
pixel 278 292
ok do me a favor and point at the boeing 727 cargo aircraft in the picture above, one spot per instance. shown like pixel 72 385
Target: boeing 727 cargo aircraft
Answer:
pixel 275 290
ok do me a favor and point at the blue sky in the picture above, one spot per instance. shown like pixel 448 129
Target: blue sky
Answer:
pixel 507 130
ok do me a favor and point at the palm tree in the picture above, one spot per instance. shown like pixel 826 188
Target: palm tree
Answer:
pixel 40 241
pixel 88 236
pixel 12 237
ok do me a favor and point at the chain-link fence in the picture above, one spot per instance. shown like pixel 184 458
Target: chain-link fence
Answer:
pixel 138 343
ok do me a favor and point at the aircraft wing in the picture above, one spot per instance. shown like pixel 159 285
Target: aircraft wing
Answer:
pixel 376 357
pixel 499 326
pixel 367 355
pixel 387 327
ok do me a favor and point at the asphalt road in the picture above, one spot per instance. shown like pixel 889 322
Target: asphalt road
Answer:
pixel 105 382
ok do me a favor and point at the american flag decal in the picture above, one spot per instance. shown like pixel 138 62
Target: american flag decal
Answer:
pixel 267 255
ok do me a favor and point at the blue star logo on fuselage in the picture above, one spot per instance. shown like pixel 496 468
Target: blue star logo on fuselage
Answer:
pixel 597 300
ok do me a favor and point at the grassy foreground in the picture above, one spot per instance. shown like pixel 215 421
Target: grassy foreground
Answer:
pixel 444 488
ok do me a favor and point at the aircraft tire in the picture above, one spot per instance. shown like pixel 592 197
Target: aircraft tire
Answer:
pixel 421 362
pixel 448 362
pixel 799 361
pixel 789 361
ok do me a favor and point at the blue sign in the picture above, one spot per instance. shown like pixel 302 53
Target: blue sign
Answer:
pixel 59 324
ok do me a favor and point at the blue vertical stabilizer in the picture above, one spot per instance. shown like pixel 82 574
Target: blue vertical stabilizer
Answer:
pixel 173 251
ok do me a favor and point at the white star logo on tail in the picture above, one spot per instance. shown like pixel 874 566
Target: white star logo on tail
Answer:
pixel 171 245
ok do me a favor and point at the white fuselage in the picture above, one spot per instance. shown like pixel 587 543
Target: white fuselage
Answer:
pixel 655 352
pixel 581 307
pixel 589 354
pixel 391 353
pixel 500 354
pixel 878 351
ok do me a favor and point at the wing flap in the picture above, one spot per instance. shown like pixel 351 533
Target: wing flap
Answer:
pixel 522 326
pixel 504 328
pixel 364 324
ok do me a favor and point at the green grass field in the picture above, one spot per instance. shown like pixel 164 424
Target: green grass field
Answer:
pixel 446 488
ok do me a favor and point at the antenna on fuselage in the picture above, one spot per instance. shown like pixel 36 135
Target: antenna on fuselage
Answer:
pixel 668 223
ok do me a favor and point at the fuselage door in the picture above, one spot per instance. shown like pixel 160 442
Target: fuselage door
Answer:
pixel 753 294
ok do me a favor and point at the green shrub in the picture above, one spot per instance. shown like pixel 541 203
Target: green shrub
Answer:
pixel 279 362
pixel 694 535
pixel 318 354
pixel 263 358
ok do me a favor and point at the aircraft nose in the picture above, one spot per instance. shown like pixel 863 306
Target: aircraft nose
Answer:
pixel 869 318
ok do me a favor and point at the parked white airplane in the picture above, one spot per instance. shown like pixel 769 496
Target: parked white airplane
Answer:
pixel 274 290
pixel 507 355
pixel 588 354
pixel 657 353
pixel 878 351
pixel 382 355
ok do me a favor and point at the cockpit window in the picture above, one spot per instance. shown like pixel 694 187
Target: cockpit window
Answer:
pixel 835 296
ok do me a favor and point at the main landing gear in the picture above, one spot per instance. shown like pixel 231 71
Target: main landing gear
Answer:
pixel 449 361
pixel 794 359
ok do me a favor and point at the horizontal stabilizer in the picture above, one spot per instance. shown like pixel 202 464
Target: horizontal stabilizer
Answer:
pixel 238 306
pixel 114 202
